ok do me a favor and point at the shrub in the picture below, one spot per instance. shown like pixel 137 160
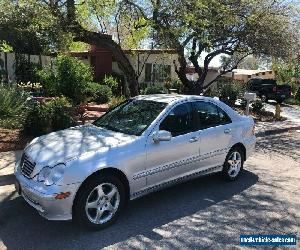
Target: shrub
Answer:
pixel 292 101
pixel 212 92
pixel 98 93
pixel 156 89
pixel 229 92
pixel 49 82
pixel 12 102
pixel 70 78
pixel 115 101
pixel 73 78
pixel 297 96
pixel 47 117
pixel 25 70
pixel 258 106
pixel 142 87
pixel 112 82
pixel 174 84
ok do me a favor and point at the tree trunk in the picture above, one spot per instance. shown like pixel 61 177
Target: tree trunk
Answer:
pixel 106 42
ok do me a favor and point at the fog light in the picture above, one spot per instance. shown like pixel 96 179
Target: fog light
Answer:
pixel 62 196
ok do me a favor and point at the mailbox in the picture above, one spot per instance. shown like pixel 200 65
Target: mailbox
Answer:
pixel 250 96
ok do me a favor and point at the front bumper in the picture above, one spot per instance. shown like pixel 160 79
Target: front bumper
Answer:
pixel 42 198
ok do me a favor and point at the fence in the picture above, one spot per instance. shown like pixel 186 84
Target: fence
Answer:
pixel 8 64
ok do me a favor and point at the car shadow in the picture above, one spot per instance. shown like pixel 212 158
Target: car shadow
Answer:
pixel 22 228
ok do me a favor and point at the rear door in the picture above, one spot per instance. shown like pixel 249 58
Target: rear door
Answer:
pixel 215 132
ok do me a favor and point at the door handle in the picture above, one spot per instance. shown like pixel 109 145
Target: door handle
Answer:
pixel 193 139
pixel 227 131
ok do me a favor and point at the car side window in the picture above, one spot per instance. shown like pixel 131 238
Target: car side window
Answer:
pixel 179 120
pixel 224 118
pixel 209 115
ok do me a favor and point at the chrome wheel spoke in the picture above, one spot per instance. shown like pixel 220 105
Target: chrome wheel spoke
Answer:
pixel 112 193
pixel 109 207
pixel 100 192
pixel 93 204
pixel 234 156
pixel 98 215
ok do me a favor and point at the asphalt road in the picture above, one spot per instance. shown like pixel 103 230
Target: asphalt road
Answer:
pixel 206 213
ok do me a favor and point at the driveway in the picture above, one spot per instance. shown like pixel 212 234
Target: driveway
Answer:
pixel 291 112
pixel 206 213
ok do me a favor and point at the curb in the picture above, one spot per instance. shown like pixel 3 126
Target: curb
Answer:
pixel 276 131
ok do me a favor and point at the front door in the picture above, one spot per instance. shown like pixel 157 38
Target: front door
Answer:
pixel 167 160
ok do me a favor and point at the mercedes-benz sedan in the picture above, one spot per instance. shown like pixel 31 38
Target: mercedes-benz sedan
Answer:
pixel 87 173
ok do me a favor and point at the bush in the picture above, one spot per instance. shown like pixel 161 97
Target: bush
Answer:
pixel 156 89
pixel 98 93
pixel 174 84
pixel 297 96
pixel 112 82
pixel 25 70
pixel 292 101
pixel 212 92
pixel 115 101
pixel 229 92
pixel 46 117
pixel 258 106
pixel 49 82
pixel 70 78
pixel 12 101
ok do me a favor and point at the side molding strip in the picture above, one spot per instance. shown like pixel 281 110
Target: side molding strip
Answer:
pixel 175 181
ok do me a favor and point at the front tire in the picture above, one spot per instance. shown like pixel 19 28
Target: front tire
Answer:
pixel 99 202
pixel 233 165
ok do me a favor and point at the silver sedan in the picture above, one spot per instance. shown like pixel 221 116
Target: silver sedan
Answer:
pixel 88 173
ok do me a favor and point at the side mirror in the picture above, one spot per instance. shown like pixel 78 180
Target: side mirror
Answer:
pixel 161 135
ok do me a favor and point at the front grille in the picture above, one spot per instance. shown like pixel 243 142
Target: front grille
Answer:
pixel 27 166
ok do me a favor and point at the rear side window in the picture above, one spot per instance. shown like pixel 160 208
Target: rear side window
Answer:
pixel 209 115
pixel 179 120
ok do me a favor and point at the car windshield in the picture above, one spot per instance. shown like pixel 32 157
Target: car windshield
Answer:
pixel 132 117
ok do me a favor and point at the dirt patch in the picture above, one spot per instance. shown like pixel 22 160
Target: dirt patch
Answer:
pixel 12 139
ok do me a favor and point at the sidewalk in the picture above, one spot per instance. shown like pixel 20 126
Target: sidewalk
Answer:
pixel 7 163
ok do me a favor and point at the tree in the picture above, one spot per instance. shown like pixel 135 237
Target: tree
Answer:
pixel 229 27
pixel 70 14
pixel 36 26
pixel 30 28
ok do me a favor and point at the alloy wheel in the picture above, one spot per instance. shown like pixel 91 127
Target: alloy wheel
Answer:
pixel 235 163
pixel 102 203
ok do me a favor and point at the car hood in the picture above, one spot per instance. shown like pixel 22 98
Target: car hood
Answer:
pixel 71 143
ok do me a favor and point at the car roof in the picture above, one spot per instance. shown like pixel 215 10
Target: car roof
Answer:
pixel 169 98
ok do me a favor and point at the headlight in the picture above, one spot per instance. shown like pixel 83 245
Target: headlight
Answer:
pixel 51 175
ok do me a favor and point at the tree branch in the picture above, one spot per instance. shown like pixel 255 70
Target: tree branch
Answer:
pixel 223 72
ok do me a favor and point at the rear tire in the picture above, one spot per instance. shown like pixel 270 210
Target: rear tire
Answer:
pixel 233 165
pixel 99 202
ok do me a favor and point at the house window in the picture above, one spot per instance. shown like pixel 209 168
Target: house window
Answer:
pixel 157 72
pixel 263 73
